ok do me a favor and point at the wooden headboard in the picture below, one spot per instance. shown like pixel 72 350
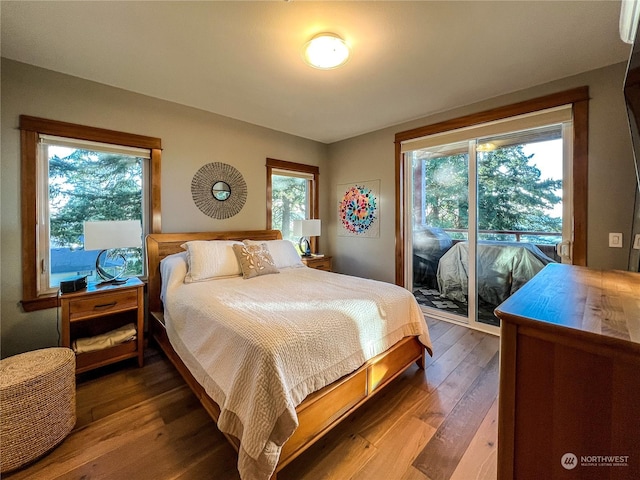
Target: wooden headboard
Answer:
pixel 160 245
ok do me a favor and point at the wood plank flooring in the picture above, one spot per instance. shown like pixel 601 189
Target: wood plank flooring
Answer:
pixel 436 424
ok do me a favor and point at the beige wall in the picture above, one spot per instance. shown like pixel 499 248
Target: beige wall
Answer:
pixel 611 177
pixel 190 139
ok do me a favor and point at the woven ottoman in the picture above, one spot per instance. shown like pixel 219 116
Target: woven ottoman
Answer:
pixel 37 404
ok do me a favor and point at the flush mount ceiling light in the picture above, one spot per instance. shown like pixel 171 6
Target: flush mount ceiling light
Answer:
pixel 326 51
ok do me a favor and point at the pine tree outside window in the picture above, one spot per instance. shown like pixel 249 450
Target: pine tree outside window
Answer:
pixel 292 194
pixel 86 181
pixel 58 192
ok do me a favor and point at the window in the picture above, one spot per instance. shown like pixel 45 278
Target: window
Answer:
pixel 292 194
pixel 81 174
pixel 85 181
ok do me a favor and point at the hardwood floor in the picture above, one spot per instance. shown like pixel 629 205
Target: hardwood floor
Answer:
pixel 144 423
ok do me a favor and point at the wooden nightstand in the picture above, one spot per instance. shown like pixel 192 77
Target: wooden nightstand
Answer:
pixel 100 309
pixel 319 263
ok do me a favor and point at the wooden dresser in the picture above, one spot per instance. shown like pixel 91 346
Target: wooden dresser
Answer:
pixel 569 400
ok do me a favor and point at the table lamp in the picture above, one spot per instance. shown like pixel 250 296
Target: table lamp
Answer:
pixel 305 229
pixel 109 235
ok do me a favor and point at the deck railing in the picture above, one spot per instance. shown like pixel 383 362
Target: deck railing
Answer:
pixel 517 233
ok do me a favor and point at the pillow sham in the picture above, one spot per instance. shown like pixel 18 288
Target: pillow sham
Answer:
pixel 173 269
pixel 255 260
pixel 283 252
pixel 208 259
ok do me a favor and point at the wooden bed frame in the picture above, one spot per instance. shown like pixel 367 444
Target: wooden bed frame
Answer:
pixel 320 411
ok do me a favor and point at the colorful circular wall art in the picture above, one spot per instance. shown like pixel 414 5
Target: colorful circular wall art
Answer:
pixel 218 190
pixel 358 209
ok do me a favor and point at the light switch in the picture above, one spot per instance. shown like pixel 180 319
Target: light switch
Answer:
pixel 615 240
pixel 636 242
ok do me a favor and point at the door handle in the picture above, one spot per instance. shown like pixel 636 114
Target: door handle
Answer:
pixel 563 249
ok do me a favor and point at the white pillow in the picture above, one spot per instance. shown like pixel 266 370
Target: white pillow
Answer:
pixel 173 269
pixel 209 259
pixel 283 252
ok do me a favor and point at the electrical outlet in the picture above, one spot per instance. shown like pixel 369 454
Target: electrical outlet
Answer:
pixel 636 242
pixel 615 240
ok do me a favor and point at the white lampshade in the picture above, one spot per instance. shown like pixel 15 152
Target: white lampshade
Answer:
pixel 307 228
pixel 112 234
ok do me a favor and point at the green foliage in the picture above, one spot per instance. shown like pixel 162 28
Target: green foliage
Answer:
pixel 446 192
pixel 289 200
pixel 91 186
pixel 511 193
pixel 94 186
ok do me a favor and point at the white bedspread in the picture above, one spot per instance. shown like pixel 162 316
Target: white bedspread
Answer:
pixel 260 346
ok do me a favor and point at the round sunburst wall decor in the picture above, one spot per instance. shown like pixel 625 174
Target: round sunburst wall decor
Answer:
pixel 219 190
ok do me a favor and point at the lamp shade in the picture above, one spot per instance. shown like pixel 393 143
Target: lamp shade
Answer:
pixel 112 234
pixel 307 228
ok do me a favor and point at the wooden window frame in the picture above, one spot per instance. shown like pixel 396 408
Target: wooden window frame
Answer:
pixel 274 164
pixel 30 129
pixel 578 98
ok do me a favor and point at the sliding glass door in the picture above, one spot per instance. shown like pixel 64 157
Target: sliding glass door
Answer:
pixel 440 220
pixel 486 214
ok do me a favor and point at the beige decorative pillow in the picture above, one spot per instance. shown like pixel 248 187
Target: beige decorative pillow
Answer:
pixel 283 252
pixel 255 260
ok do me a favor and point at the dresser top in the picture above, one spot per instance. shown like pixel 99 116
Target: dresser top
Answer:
pixel 606 303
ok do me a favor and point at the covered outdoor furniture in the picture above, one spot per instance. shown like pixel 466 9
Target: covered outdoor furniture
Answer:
pixel 502 268
pixel 429 244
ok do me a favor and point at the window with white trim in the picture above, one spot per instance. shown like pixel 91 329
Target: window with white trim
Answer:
pixel 80 181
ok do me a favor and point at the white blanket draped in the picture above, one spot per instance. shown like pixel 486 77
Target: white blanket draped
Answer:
pixel 260 346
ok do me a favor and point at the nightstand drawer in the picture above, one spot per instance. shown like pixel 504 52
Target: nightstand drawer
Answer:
pixel 319 263
pixel 98 305
pixel 322 264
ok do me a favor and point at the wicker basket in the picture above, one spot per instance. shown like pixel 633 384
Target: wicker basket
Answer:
pixel 37 404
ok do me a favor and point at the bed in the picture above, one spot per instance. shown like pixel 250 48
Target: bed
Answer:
pixel 297 401
pixel 503 267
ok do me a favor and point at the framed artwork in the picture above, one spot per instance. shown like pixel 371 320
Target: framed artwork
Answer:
pixel 358 212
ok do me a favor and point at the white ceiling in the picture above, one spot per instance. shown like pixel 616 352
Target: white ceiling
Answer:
pixel 244 59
